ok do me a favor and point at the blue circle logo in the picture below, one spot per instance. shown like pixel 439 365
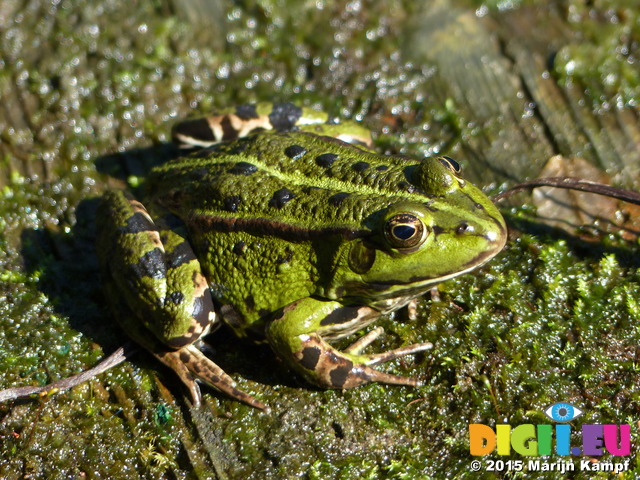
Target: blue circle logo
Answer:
pixel 562 412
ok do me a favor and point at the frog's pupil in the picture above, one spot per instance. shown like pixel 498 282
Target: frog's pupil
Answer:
pixel 404 232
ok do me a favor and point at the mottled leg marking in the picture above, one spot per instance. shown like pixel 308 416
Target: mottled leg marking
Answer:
pixel 334 369
pixel 172 360
pixel 154 270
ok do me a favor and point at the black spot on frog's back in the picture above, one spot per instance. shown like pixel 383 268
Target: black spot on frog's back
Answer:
pixel 326 160
pixel 281 198
pixel 295 152
pixel 285 258
pixel 240 248
pixel 231 203
pixel 337 199
pixel 360 166
pixel 243 168
pixel 406 187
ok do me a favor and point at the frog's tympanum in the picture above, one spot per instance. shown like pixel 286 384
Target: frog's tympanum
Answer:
pixel 287 227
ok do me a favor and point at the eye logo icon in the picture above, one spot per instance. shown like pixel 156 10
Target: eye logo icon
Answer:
pixel 562 412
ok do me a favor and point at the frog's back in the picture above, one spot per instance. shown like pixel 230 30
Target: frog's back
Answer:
pixel 295 178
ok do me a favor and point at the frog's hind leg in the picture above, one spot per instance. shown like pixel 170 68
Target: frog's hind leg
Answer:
pixel 167 303
pixel 243 120
pixel 297 336
pixel 188 363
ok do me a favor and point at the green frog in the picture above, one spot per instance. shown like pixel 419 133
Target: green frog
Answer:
pixel 288 227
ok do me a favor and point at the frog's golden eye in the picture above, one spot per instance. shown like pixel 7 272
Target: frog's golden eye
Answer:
pixel 405 231
pixel 451 164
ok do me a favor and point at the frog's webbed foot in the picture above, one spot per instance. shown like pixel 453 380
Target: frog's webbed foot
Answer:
pixel 329 368
pixel 190 364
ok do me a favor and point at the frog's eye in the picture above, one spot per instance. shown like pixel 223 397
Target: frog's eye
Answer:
pixel 562 412
pixel 451 164
pixel 405 231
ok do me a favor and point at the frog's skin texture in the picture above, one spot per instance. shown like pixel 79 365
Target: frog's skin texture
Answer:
pixel 288 235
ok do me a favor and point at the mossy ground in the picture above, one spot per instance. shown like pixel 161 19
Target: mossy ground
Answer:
pixel 88 84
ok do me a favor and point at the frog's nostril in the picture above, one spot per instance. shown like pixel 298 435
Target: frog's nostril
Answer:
pixel 464 228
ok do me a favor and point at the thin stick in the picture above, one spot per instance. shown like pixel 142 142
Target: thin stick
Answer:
pixel 573 184
pixel 117 357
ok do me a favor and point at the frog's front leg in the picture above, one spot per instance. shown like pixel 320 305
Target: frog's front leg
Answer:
pixel 296 334
pixel 167 304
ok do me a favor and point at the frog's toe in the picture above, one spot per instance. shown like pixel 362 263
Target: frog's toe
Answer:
pixel 377 376
pixel 340 372
pixel 172 360
pixel 360 344
pixel 397 353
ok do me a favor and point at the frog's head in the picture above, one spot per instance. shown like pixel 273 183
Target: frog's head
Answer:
pixel 445 228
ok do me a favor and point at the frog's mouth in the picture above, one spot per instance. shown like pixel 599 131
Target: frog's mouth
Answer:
pixel 417 285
